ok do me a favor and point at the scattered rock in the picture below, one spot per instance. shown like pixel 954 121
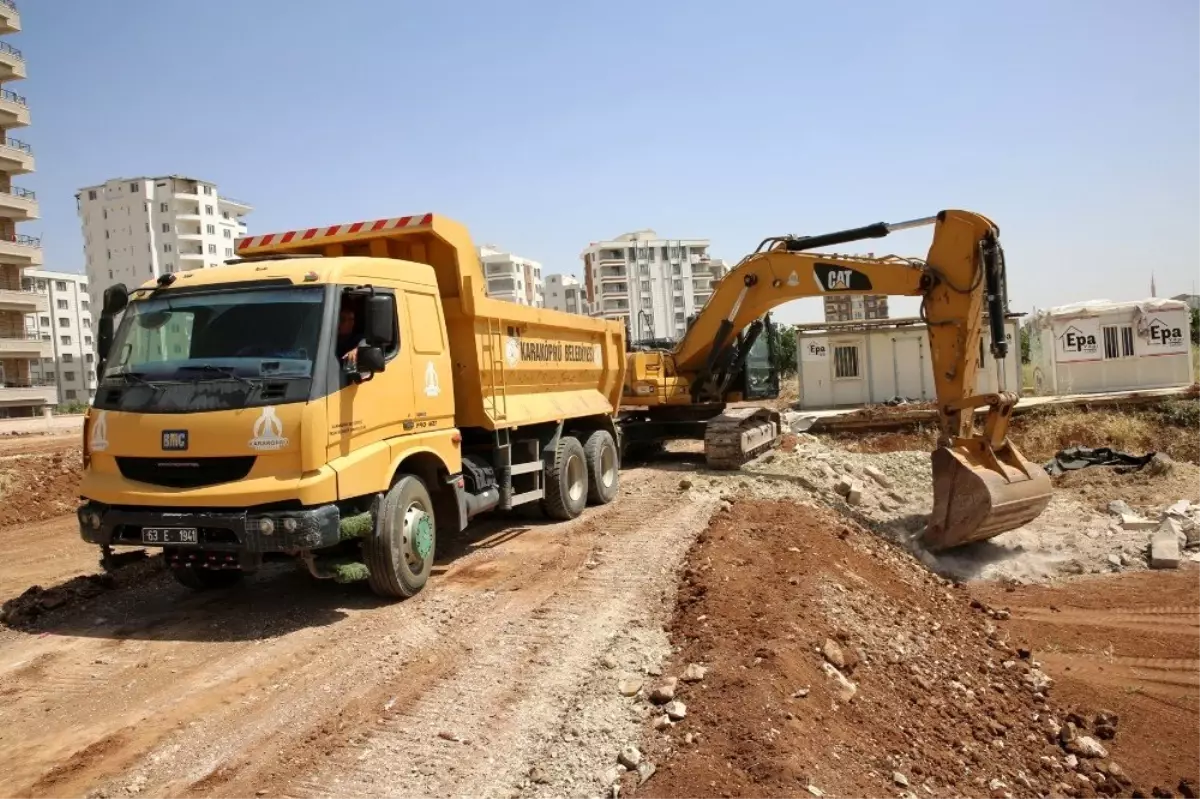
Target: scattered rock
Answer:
pixel 629 686
pixel 1115 561
pixel 1131 521
pixel 815 791
pixel 1160 464
pixel 1180 508
pixel 645 771
pixel 1071 762
pixel 843 688
pixel 842 486
pixel 833 653
pixel 1086 746
pixel 877 476
pixel 662 722
pixel 899 779
pixel 612 774
pixel 629 757
pixel 1119 507
pixel 685 484
pixel 537 776
pixel 608 662
pixel 1164 549
pixel 1118 773
pixel 896 496
pixel 1107 717
pixel 1187 788
pixel 694 673
pixel 800 693
pixel 664 692
pixel 676 710
pixel 854 497
pixel 1105 731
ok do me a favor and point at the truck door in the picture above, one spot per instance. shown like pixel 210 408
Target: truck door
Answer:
pixel 433 387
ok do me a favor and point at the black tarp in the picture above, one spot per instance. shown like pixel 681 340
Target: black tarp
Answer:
pixel 1074 458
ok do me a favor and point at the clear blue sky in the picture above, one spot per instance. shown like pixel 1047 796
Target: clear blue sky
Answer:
pixel 545 125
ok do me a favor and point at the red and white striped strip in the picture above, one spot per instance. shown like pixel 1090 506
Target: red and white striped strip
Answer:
pixel 298 236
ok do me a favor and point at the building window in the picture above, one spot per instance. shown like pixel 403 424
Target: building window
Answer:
pixel 69 376
pixel 64 321
pixel 224 214
pixel 66 340
pixel 60 285
pixel 166 248
pixel 1118 341
pixel 208 190
pixel 208 210
pixel 83 287
pixel 62 305
pixel 89 357
pixel 70 393
pixel 88 340
pixel 68 357
pixel 166 227
pixel 91 195
pixel 84 304
pixel 46 321
pixel 228 233
pixel 133 187
pixel 210 230
pixel 845 361
pixel 163 207
pixel 212 249
pixel 228 252
pixel 87 323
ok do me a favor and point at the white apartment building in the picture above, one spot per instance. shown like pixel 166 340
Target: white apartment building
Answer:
pixel 510 277
pixel 20 393
pixel 566 293
pixel 67 324
pixel 135 229
pixel 653 284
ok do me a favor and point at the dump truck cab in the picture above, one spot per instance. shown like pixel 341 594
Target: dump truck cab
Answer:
pixel 298 404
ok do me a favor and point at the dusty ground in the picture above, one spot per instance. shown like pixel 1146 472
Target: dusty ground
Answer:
pixel 505 677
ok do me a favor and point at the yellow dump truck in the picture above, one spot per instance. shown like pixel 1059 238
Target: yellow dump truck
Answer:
pixel 341 395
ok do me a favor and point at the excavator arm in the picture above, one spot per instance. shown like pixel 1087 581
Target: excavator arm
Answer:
pixel 982 484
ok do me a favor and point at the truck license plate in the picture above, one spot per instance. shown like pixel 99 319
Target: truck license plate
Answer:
pixel 170 535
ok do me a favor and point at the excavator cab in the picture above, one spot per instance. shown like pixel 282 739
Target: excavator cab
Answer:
pixel 760 374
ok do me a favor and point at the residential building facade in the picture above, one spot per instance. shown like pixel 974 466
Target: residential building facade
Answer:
pixel 67 325
pixel 21 394
pixel 566 293
pixel 511 277
pixel 135 229
pixel 653 284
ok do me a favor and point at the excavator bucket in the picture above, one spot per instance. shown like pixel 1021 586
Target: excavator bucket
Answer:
pixel 980 493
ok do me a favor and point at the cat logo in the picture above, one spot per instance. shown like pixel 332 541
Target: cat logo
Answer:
pixel 268 432
pixel 99 441
pixel 432 388
pixel 831 277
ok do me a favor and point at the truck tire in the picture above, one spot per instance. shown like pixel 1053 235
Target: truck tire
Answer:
pixel 207 579
pixel 400 550
pixel 603 462
pixel 566 481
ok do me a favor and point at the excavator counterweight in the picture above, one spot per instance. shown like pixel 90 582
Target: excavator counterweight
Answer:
pixel 982 485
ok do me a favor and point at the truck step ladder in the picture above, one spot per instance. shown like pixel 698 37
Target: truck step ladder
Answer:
pixel 495 399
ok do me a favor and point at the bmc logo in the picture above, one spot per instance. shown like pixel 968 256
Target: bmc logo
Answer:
pixel 1075 340
pixel 174 440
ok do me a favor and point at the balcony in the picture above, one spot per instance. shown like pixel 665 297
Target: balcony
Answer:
pixel 16 157
pixel 12 63
pixel 615 290
pixel 14 393
pixel 30 345
pixel 10 18
pixel 236 206
pixel 14 111
pixel 23 301
pixel 22 250
pixel 19 205
pixel 614 272
pixel 191 255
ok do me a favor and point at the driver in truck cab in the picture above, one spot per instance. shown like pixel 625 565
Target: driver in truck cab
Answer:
pixel 349 337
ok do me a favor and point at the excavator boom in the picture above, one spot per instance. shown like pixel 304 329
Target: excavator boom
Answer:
pixel 982 485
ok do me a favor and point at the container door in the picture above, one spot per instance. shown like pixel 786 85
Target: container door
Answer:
pixel 906 368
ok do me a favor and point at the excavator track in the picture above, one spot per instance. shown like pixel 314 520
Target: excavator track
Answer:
pixel 739 435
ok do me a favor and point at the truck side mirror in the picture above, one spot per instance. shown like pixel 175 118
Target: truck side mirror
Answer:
pixel 116 297
pixel 370 360
pixel 381 321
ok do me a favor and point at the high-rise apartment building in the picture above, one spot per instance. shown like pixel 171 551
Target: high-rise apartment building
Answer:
pixel 511 277
pixel 135 229
pixel 21 394
pixel 67 325
pixel 651 283
pixel 566 293
pixel 842 308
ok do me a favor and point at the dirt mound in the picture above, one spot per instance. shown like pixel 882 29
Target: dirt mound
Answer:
pixel 837 665
pixel 21 612
pixel 39 485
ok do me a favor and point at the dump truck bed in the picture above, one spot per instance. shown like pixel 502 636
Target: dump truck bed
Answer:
pixel 513 364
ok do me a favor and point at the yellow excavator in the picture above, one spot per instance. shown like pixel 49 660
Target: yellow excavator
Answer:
pixel 982 485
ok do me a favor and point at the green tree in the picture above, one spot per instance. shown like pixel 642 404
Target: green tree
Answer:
pixel 1025 344
pixel 785 350
pixel 1196 325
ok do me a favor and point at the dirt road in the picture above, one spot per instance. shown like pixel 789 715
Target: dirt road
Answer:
pixel 301 689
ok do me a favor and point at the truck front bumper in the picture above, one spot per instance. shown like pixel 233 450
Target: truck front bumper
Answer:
pixel 249 531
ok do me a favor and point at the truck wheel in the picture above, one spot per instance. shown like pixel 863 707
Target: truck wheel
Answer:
pixel 603 467
pixel 566 481
pixel 207 579
pixel 399 552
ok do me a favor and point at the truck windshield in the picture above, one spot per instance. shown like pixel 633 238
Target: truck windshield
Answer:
pixel 219 335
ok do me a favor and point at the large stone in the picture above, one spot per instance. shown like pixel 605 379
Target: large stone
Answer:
pixel 1180 508
pixel 843 688
pixel 629 686
pixel 1119 507
pixel 1160 463
pixel 854 496
pixel 1131 521
pixel 1086 746
pixel 676 711
pixel 877 476
pixel 1164 550
pixel 833 653
pixel 842 486
pixel 694 673
pixel 629 757
pixel 664 692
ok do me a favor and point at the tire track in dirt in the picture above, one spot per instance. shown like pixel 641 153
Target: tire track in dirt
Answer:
pixel 155 689
pixel 1173 680
pixel 478 729
pixel 1177 620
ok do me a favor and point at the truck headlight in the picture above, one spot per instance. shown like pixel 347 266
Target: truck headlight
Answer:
pixel 266 526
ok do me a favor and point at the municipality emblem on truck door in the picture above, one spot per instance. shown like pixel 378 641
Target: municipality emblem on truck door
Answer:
pixel 268 432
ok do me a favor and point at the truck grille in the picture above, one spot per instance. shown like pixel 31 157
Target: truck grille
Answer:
pixel 185 472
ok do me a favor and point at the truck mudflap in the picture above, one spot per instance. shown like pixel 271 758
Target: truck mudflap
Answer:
pixel 253 531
